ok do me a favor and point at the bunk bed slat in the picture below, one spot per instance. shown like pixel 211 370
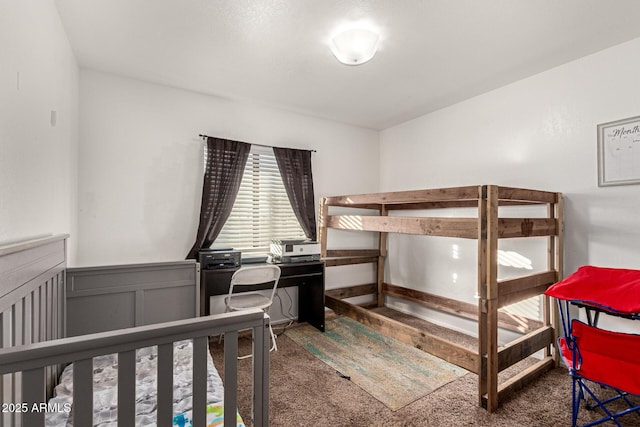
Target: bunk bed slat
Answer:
pixel 434 205
pixel 336 253
pixel 524 346
pixel 526 227
pixel 522 194
pixel 520 380
pixel 352 291
pixel 126 388
pixel 410 196
pixel 334 262
pixel 449 227
pixel 453 306
pixel 514 290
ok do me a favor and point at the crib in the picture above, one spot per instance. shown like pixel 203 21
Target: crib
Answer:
pixel 37 349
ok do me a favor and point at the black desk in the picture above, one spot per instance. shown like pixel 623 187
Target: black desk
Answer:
pixel 307 276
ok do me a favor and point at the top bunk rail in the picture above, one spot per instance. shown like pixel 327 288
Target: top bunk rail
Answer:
pixel 389 199
pixel 451 197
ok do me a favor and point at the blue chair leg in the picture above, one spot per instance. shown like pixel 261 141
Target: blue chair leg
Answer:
pixel 576 397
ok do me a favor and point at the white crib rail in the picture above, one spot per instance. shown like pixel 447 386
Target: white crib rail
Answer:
pixel 32 360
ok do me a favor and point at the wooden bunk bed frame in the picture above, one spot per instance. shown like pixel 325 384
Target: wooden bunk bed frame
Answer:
pixel 493 294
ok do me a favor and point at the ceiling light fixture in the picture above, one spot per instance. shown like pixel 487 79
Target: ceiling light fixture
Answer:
pixel 355 46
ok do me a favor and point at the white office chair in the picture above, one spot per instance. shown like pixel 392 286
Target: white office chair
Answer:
pixel 248 277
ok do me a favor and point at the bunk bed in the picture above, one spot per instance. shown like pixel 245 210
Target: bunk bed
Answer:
pixel 157 373
pixel 487 227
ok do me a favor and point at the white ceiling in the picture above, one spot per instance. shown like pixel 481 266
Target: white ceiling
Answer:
pixel 433 53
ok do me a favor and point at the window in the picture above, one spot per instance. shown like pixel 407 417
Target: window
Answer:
pixel 262 210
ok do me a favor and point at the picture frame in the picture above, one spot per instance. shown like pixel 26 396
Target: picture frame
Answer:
pixel 619 152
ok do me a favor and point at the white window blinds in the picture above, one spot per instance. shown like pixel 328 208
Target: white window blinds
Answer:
pixel 262 210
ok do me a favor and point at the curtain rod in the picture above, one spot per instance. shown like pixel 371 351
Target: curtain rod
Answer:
pixel 259 145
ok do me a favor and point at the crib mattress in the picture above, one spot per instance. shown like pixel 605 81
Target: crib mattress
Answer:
pixel 105 390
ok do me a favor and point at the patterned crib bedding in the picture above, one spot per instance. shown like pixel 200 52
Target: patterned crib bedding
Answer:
pixel 105 390
pixel 215 417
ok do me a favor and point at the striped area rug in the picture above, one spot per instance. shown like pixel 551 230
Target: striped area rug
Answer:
pixel 393 372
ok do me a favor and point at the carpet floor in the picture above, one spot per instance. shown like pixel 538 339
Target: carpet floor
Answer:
pixel 304 391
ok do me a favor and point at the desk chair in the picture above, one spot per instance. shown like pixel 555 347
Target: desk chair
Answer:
pixel 247 277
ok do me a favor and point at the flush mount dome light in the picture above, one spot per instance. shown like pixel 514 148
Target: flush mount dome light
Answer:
pixel 355 46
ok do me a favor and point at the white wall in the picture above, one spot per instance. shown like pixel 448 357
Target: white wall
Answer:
pixel 141 162
pixel 141 166
pixel 38 75
pixel 536 133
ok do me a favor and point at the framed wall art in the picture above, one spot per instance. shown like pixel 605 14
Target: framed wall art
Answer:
pixel 619 152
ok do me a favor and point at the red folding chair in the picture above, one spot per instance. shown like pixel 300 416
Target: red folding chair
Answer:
pixel 610 359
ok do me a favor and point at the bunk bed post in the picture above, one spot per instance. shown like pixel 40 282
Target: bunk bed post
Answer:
pixel 322 227
pixel 382 249
pixel 551 265
pixel 488 311
pixel 482 280
pixel 555 319
pixel 554 262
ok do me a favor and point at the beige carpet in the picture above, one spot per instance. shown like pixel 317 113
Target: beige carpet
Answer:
pixel 394 373
pixel 306 392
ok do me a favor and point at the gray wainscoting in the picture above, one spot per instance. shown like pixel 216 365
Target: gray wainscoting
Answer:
pixel 115 297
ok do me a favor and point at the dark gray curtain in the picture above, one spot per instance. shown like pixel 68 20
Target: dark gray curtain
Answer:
pixel 295 169
pixel 225 165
